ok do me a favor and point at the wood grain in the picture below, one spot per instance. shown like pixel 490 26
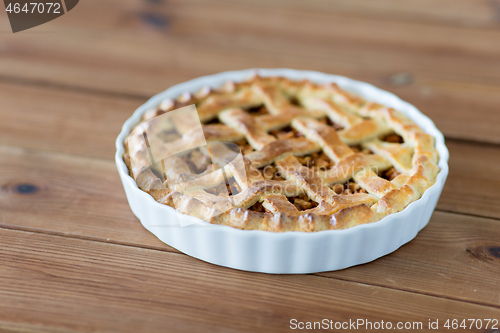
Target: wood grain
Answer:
pixel 62 121
pixel 473 185
pixel 444 260
pixel 83 198
pixel 462 12
pixel 438 67
pixel 74 257
pixel 55 283
pixel 72 196
pixel 87 124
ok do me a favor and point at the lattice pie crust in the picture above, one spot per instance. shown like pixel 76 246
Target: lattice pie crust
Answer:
pixel 316 158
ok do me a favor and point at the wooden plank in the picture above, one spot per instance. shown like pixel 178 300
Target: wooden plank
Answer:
pixel 320 33
pixel 473 185
pixel 444 260
pixel 447 67
pixel 455 108
pixel 462 12
pixel 62 121
pixel 98 286
pixel 76 197
pixel 87 125
pixel 83 198
pixel 313 26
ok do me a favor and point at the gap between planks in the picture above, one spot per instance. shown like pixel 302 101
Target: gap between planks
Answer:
pixel 466 214
pixel 318 275
pixel 139 97
pixel 66 87
pixel 473 17
pixel 92 282
pixel 151 247
pixel 110 224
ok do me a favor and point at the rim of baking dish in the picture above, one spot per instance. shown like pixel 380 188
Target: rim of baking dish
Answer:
pixel 358 87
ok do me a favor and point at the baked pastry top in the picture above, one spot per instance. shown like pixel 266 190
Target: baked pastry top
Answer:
pixel 315 157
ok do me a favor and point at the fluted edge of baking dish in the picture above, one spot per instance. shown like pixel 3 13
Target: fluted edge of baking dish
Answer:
pixel 288 252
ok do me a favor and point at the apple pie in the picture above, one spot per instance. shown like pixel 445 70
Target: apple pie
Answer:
pixel 314 157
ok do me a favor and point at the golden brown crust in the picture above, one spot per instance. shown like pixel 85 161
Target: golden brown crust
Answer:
pixel 301 106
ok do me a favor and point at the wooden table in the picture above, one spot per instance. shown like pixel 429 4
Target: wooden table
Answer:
pixel 75 258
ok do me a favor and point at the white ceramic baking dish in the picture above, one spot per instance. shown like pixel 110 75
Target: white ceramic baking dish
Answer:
pixel 289 252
